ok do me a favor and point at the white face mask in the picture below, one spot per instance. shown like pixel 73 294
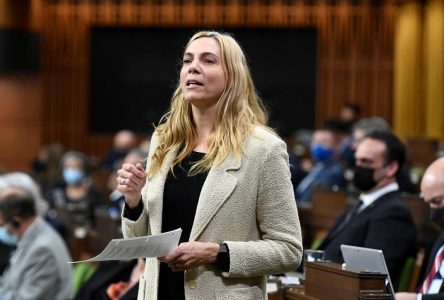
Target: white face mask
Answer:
pixel 73 175
pixel 6 237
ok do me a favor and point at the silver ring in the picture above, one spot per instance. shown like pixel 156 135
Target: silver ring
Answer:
pixel 123 182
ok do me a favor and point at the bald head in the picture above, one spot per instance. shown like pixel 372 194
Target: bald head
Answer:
pixel 432 184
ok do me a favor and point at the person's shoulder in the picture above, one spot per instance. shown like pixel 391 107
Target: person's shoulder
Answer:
pixel 154 139
pixel 263 136
pixel 48 237
pixel 392 203
pixel 395 197
pixel 263 142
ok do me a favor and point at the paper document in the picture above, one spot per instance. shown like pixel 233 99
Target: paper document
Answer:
pixel 145 246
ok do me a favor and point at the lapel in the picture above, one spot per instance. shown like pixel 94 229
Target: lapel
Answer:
pixel 27 241
pixel 366 211
pixel 154 194
pixel 217 188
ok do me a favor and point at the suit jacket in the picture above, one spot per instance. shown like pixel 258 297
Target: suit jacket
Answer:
pixel 440 294
pixel 248 203
pixel 386 224
pixel 39 268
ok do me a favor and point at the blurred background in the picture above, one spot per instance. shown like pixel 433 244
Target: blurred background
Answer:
pixel 75 72
pixel 83 81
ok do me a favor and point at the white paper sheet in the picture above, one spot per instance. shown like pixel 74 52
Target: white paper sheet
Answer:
pixel 289 280
pixel 145 246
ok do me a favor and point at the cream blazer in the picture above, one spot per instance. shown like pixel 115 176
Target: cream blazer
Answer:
pixel 249 204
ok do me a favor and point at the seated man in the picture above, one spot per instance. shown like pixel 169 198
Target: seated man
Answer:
pixel 432 188
pixel 380 220
pixel 327 171
pixel 365 126
pixel 38 268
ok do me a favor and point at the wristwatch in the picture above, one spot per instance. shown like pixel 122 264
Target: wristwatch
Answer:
pixel 223 258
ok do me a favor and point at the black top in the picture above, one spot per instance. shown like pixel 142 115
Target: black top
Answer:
pixel 181 195
pixel 180 198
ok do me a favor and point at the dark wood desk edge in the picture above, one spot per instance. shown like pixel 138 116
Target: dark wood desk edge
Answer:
pixel 337 268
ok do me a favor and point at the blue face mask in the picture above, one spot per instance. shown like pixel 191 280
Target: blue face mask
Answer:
pixel 73 175
pixel 6 237
pixel 321 153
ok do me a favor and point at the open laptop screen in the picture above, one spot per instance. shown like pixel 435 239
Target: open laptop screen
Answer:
pixel 366 260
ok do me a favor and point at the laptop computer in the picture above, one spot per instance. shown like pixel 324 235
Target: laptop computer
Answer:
pixel 366 260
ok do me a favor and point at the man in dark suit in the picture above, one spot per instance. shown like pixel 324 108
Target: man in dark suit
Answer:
pixel 432 188
pixel 380 219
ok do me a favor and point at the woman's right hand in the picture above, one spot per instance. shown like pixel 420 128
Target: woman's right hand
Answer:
pixel 130 181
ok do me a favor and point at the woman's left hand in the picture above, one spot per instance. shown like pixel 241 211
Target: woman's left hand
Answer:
pixel 190 255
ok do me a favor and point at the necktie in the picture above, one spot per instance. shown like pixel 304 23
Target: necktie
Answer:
pixel 433 271
pixel 351 213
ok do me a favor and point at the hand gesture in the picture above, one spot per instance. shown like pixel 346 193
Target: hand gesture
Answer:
pixel 190 255
pixel 130 181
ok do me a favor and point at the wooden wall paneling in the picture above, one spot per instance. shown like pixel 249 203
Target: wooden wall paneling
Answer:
pixel 434 68
pixel 231 13
pixel 188 12
pixel 20 121
pixel 254 13
pixel 320 19
pixel 325 109
pixel 167 13
pixel 211 12
pixel 350 48
pixel 277 13
pixel 127 12
pixel 146 13
pixel 297 13
pixel 408 87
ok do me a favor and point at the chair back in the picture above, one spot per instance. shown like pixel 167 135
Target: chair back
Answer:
pixel 421 151
pixel 327 206
pixel 418 208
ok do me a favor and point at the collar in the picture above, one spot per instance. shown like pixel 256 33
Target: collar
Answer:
pixel 369 198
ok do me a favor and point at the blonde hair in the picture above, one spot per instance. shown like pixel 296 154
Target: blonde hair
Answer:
pixel 239 109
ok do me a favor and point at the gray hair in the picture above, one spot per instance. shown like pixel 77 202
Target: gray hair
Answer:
pixel 371 124
pixel 25 182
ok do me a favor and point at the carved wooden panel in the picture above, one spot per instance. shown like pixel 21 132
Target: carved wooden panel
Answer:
pixel 20 121
pixel 355 50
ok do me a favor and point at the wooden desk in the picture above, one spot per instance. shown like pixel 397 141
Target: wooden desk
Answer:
pixel 325 281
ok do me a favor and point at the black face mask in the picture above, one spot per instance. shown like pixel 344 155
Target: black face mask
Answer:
pixel 363 178
pixel 437 216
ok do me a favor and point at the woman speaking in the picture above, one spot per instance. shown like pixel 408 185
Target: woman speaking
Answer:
pixel 217 171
